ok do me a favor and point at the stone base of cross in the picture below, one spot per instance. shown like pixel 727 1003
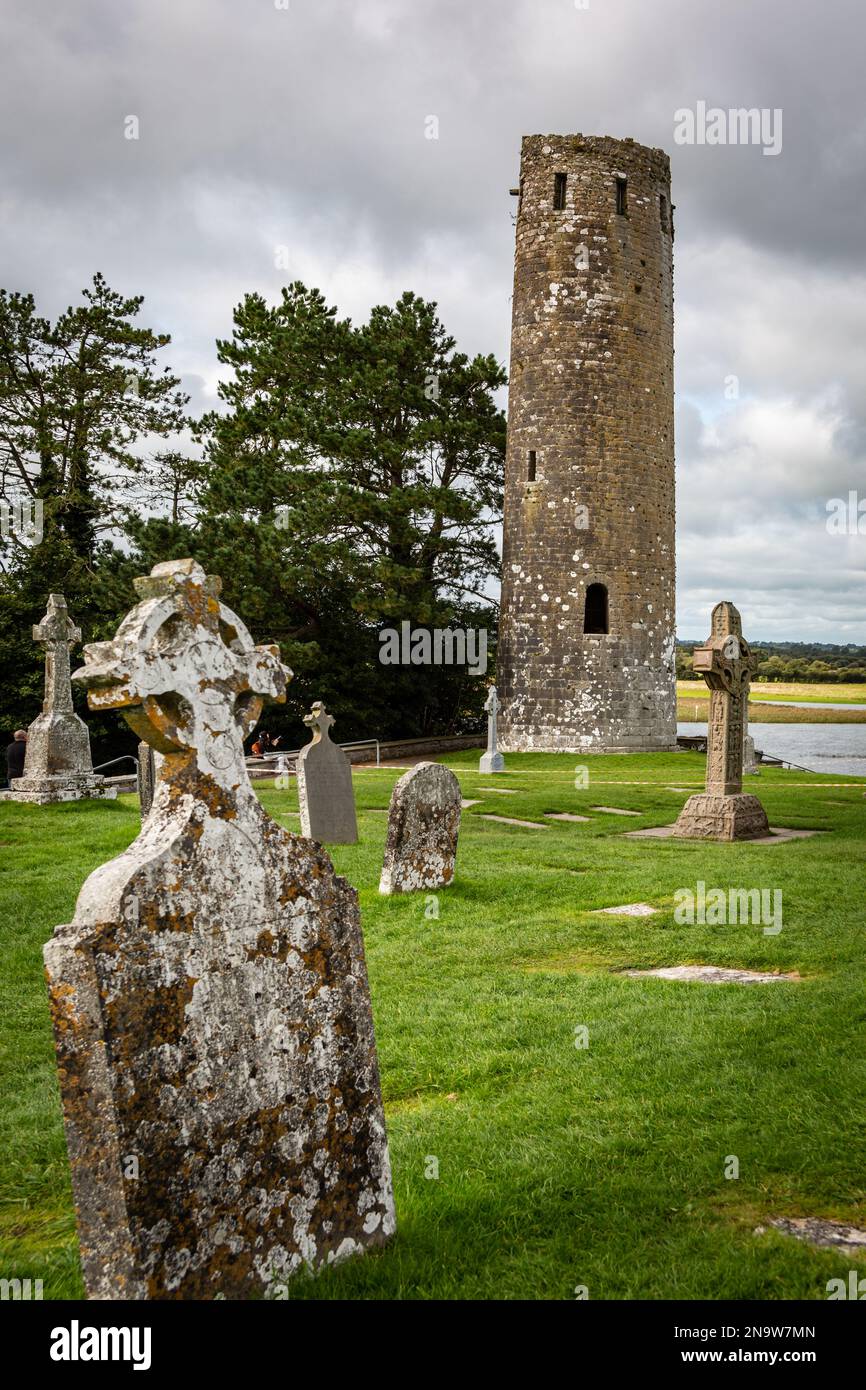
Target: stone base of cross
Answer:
pixel 43 791
pixel 723 811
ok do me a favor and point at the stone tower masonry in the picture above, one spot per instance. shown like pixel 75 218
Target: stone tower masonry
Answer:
pixel 586 652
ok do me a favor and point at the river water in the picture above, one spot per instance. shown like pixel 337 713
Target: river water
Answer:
pixel 836 748
pixel 811 704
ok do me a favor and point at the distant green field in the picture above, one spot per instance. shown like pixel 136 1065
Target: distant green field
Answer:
pixel 694 709
pixel 558 1166
pixel 783 691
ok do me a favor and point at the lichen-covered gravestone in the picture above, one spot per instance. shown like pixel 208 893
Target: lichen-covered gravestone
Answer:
pixel 58 765
pixel 210 1002
pixel 723 811
pixel 423 825
pixel 326 798
pixel 492 760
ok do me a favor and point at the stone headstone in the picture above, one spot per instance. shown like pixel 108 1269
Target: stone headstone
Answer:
pixel 723 812
pixel 210 1002
pixel 750 759
pixel 58 765
pixel 492 760
pixel 325 794
pixel 423 825
pixel 148 773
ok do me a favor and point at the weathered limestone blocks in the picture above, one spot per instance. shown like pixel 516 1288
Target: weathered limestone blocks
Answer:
pixel 58 765
pixel 326 797
pixel 423 825
pixel 586 650
pixel 210 1001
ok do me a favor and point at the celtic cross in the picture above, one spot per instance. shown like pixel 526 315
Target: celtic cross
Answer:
pixel 726 663
pixel 492 708
pixel 58 635
pixel 184 672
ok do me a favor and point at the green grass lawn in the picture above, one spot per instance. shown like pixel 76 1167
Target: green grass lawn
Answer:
pixel 558 1166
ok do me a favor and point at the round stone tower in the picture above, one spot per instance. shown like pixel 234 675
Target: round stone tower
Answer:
pixel 586 650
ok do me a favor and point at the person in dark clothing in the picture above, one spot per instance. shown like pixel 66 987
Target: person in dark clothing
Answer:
pixel 15 754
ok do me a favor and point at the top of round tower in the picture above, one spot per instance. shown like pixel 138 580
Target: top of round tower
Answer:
pixel 625 151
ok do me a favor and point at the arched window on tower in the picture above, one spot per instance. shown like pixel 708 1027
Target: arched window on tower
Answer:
pixel 595 614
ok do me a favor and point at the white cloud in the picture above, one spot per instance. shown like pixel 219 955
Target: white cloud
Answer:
pixel 305 128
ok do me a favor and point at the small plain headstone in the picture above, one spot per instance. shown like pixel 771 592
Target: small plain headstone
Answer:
pixel 750 757
pixel 325 794
pixel 423 825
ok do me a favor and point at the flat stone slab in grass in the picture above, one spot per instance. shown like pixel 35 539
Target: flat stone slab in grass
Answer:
pixel 615 811
pixel 565 815
pixel 777 835
pixel 509 820
pixel 834 1235
pixel 501 791
pixel 628 910
pixel 714 975
pixel 464 804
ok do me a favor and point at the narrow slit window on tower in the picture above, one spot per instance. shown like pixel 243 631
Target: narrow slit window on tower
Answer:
pixel 663 213
pixel 595 614
pixel 622 197
pixel 559 192
pixel 530 467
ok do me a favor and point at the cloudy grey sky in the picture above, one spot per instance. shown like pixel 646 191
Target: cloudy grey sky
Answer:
pixel 300 124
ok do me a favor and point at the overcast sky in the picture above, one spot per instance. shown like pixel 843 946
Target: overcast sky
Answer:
pixel 301 124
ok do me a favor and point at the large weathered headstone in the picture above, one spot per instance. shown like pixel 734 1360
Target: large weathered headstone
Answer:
pixel 723 811
pixel 58 765
pixel 210 1001
pixel 423 825
pixel 492 760
pixel 325 795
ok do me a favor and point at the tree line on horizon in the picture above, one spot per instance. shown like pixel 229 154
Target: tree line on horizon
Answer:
pixel 819 662
pixel 351 479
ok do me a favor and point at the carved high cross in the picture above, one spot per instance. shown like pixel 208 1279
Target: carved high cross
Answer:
pixel 492 708
pixel 727 665
pixel 58 635
pixel 186 676
pixel 319 722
